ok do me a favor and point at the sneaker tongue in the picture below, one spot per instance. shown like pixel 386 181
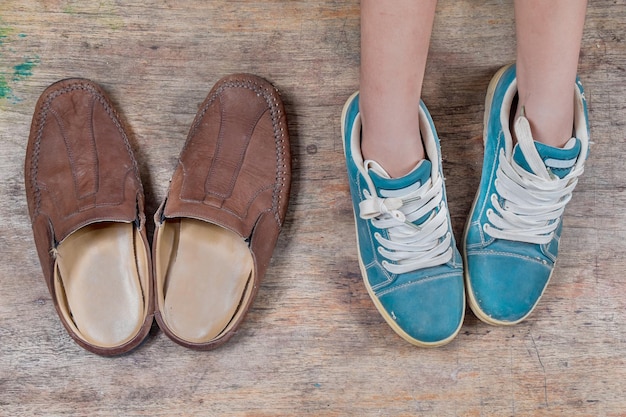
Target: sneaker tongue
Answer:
pixel 414 179
pixel 558 161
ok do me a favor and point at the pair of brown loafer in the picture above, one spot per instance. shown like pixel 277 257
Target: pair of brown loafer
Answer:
pixel 215 231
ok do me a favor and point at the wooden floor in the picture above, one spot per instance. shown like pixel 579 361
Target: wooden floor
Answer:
pixel 313 343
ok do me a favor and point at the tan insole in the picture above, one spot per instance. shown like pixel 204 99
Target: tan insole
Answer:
pixel 97 273
pixel 206 278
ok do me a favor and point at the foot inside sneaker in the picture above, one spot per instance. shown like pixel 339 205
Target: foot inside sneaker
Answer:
pixel 513 230
pixel 407 254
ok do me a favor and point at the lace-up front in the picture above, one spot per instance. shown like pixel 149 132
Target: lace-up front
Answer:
pixel 513 230
pixel 415 221
pixel 528 206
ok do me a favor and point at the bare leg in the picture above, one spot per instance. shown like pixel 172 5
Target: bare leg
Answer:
pixel 394 46
pixel 549 34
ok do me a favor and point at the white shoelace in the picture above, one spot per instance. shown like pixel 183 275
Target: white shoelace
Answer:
pixel 410 247
pixel 527 206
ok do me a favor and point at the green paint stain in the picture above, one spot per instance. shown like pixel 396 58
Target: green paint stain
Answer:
pixel 5 90
pixel 25 69
pixel 4 33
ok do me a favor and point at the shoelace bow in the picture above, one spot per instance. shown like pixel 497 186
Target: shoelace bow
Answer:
pixel 410 246
pixel 528 207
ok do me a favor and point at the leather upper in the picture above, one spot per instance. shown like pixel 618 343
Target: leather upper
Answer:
pixel 234 171
pixel 79 170
pixel 235 167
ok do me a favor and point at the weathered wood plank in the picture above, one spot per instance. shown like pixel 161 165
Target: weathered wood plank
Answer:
pixel 313 344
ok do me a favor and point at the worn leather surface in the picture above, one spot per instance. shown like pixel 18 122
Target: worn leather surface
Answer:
pixel 80 171
pixel 234 172
pixel 506 279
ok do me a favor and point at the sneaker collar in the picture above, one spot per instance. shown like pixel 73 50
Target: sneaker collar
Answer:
pixel 540 159
pixel 580 133
pixel 428 138
pixel 385 185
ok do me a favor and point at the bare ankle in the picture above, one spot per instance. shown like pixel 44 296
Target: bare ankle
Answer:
pixel 549 125
pixel 397 157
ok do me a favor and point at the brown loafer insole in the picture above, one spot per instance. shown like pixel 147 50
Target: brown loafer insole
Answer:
pixel 97 281
pixel 207 271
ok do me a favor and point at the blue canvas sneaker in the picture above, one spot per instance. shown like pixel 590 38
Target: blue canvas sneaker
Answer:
pixel 513 230
pixel 407 253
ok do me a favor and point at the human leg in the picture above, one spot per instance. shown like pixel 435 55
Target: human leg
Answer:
pixel 549 35
pixel 394 47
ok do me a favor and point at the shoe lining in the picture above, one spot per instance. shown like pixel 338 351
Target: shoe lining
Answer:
pixel 203 272
pixel 100 274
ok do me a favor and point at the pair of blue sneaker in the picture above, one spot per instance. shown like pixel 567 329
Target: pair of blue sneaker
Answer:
pixel 407 253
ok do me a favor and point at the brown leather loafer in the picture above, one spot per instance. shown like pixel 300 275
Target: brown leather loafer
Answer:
pixel 86 203
pixel 217 228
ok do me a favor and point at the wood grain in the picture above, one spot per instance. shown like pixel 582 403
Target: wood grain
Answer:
pixel 313 344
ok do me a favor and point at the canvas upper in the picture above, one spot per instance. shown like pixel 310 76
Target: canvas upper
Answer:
pixel 407 253
pixel 513 230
